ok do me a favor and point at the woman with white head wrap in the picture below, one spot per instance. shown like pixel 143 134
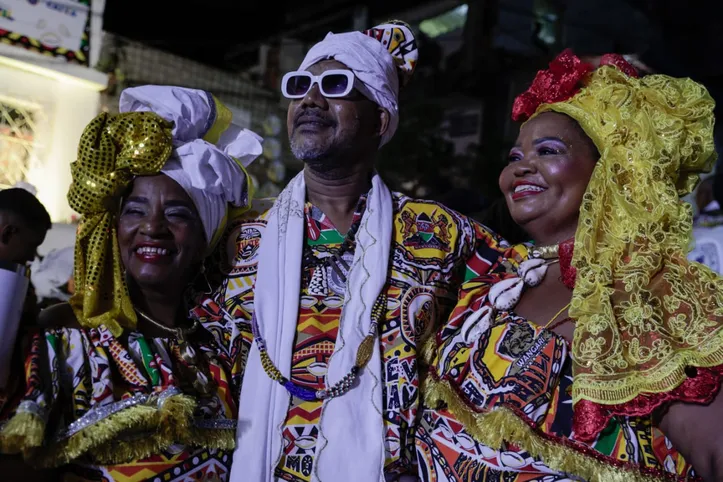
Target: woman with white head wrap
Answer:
pixel 120 383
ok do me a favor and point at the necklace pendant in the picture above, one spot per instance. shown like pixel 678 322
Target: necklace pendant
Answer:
pixel 532 271
pixel 544 252
pixel 339 266
pixel 188 353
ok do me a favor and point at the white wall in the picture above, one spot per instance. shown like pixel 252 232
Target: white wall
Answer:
pixel 67 97
pixel 65 109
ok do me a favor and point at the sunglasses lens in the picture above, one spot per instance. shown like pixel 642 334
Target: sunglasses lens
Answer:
pixel 298 85
pixel 335 84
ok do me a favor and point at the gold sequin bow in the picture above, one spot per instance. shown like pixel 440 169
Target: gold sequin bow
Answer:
pixel 644 313
pixel 112 150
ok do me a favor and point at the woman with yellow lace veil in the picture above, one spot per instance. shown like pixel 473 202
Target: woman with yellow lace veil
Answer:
pixel 119 384
pixel 600 359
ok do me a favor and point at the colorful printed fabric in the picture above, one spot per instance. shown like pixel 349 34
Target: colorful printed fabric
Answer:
pixel 177 464
pixel 432 247
pixel 100 399
pixel 506 408
pixel 322 297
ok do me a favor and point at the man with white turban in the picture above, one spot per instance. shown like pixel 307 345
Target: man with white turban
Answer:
pixel 336 284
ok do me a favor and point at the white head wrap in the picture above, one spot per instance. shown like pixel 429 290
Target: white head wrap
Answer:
pixel 209 170
pixel 371 63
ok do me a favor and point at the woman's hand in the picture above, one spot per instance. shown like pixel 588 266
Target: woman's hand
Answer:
pixel 696 431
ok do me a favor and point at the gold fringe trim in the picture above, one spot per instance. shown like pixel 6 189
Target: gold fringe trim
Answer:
pixel 23 432
pixel 500 425
pixel 429 350
pixel 220 439
pixel 163 427
pixel 124 451
pixel 167 425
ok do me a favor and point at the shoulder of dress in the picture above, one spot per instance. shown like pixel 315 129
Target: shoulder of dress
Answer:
pixel 406 203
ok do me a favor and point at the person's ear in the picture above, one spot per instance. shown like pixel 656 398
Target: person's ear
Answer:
pixel 383 121
pixel 7 232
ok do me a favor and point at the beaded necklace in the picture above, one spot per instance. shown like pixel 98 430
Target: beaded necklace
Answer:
pixel 363 355
pixel 366 347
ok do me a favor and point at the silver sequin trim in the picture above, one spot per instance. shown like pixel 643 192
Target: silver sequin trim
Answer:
pixel 95 415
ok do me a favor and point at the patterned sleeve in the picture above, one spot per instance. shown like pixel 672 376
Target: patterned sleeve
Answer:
pixel 492 260
pixel 227 317
pixel 84 394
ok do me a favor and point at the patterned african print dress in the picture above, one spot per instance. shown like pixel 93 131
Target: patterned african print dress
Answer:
pixel 500 409
pixel 432 251
pixel 86 401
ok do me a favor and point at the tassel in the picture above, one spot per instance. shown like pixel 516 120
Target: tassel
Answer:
pixel 168 424
pixel 24 432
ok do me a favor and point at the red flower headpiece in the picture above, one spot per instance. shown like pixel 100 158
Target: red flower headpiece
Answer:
pixel 561 81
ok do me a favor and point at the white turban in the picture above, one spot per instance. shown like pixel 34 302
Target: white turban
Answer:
pixel 371 63
pixel 209 150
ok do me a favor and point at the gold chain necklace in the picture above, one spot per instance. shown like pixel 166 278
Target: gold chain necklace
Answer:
pixel 181 334
pixel 200 381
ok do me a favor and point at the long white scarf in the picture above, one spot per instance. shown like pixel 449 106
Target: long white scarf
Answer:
pixel 350 445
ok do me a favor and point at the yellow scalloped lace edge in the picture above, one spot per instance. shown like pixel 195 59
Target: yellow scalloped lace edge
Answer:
pixel 499 425
pixel 167 425
pixel 673 374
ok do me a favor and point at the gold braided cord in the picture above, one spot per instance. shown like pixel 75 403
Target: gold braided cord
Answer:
pixel 643 311
pixel 112 150
pixel 495 427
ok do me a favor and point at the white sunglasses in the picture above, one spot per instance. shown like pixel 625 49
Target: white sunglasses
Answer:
pixel 332 83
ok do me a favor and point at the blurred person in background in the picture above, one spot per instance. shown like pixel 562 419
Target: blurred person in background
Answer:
pixel 24 223
pixel 52 276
